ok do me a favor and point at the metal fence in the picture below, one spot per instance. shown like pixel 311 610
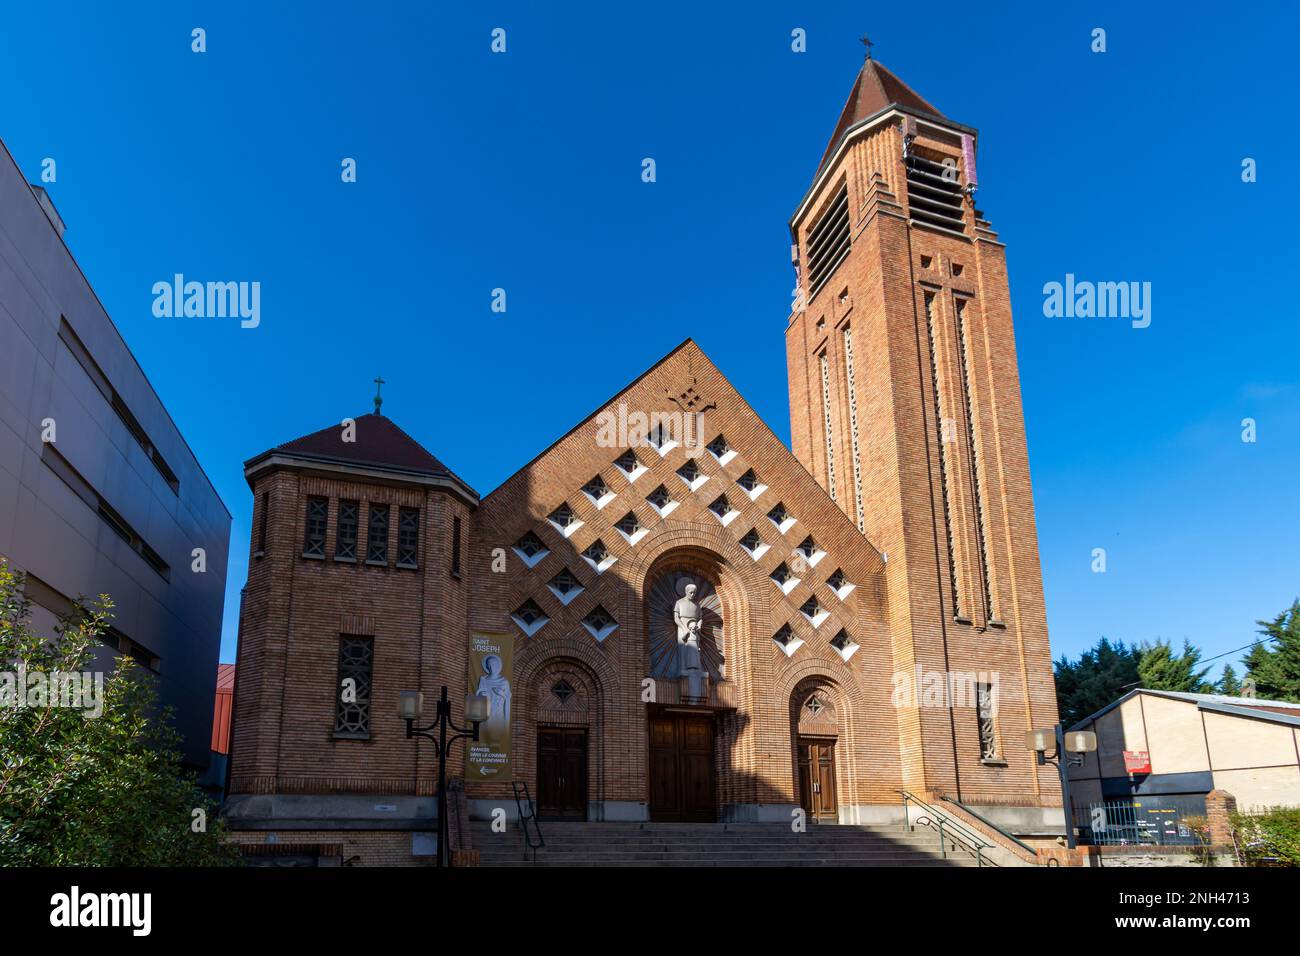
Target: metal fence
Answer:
pixel 1139 822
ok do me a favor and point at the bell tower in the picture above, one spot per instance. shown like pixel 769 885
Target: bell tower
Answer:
pixel 905 406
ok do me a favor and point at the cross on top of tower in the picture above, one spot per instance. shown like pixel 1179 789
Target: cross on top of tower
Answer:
pixel 379 399
pixel 866 42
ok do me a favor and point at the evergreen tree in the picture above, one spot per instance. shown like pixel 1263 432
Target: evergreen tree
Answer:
pixel 1160 669
pixel 1276 669
pixel 1228 683
pixel 1100 676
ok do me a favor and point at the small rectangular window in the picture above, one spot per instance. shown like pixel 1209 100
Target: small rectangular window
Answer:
pixel 455 546
pixel 408 538
pixel 986 702
pixel 261 524
pixel 116 402
pixel 313 545
pixel 345 543
pixel 377 535
pixel 352 695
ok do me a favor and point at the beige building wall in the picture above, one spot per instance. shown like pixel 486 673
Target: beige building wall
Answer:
pixel 1255 760
pixel 1173 727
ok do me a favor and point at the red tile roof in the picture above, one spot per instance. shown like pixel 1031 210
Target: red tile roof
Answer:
pixel 378 442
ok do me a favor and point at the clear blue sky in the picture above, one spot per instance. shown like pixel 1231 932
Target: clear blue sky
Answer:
pixel 522 171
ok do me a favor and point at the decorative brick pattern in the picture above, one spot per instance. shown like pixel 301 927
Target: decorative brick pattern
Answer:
pixel 868 413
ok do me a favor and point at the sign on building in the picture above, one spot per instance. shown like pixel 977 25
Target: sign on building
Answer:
pixel 1137 761
pixel 491 671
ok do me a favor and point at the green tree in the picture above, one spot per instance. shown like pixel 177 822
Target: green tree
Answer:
pixel 1161 669
pixel 84 790
pixel 1099 677
pixel 1275 670
pixel 1228 683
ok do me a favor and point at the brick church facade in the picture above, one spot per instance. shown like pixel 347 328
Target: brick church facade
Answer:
pixel 891 552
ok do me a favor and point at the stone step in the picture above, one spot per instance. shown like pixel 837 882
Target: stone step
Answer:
pixel 696 844
pixel 711 846
pixel 605 832
pixel 836 862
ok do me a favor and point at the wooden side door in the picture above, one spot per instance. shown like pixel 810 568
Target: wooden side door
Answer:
pixel 816 761
pixel 561 773
pixel 824 756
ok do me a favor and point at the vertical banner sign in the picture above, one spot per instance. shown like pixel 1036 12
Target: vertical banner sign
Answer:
pixel 491 671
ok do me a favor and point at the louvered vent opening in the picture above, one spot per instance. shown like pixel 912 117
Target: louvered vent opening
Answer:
pixel 934 199
pixel 828 242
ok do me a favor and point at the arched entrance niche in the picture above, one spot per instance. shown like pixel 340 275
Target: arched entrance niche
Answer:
pixel 560 746
pixel 690 737
pixel 818 732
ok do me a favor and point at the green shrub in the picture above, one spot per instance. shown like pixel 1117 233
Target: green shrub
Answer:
pixel 1269 837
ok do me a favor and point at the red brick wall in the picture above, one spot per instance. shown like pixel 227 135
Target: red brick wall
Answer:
pixel 878 293
pixel 900 612
pixel 294 612
pixel 759 762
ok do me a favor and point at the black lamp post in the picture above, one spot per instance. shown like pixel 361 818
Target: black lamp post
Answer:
pixel 1068 748
pixel 410 708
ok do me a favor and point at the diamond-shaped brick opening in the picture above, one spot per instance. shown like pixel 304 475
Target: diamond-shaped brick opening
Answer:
pixel 630 465
pixel 565 519
pixel 530 617
pixel 785 639
pixel 598 491
pixel 839 583
pixel 844 645
pixel 661 501
pixel 781 517
pixel 599 623
pixel 531 549
pixel 753 543
pixel 629 526
pixel 720 450
pixel 565 586
pixel 785 578
pixel 598 556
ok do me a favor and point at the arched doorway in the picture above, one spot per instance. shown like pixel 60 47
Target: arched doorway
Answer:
pixel 567 711
pixel 815 732
pixel 686 652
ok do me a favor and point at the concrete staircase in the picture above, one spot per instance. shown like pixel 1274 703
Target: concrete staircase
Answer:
pixel 718 844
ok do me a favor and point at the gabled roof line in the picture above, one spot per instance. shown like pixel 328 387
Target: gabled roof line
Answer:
pixel 386 450
pixel 599 408
pixel 814 484
pixel 1211 702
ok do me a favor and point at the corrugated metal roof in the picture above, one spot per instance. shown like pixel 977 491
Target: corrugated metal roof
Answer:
pixel 1284 711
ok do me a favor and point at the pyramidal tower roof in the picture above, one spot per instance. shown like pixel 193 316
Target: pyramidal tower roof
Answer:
pixel 376 443
pixel 875 90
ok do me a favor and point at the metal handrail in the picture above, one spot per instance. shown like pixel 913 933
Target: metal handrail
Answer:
pixel 946 826
pixel 991 825
pixel 524 818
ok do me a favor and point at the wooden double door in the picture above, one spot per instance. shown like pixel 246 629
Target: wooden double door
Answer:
pixel 561 773
pixel 816 759
pixel 682 778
